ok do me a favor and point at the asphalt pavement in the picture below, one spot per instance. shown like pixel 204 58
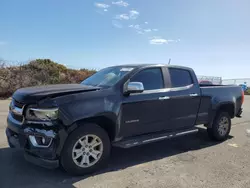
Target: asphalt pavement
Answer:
pixel 191 161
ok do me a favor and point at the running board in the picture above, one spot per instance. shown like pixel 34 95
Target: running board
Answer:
pixel 145 139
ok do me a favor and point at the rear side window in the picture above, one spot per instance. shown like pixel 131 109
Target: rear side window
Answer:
pixel 180 77
pixel 151 78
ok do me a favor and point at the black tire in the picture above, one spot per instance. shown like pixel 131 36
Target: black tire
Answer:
pixel 66 159
pixel 213 132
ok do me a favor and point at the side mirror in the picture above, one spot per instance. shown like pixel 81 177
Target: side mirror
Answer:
pixel 134 87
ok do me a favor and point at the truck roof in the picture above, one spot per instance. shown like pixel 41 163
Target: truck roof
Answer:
pixel 152 65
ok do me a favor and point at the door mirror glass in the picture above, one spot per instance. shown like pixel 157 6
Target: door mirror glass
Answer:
pixel 135 87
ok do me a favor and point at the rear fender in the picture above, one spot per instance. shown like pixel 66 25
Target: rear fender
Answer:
pixel 225 107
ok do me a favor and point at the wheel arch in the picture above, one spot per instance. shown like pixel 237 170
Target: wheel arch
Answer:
pixel 228 107
pixel 106 121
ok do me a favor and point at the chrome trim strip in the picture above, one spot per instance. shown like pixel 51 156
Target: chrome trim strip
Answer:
pixel 178 134
pixel 16 110
pixel 135 143
pixel 153 139
pixel 193 94
pixel 187 132
pixel 164 98
pixel 43 110
pixel 182 88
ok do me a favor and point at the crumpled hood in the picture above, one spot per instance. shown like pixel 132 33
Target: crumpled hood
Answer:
pixel 34 94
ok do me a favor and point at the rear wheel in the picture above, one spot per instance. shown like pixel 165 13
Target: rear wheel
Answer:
pixel 86 150
pixel 221 127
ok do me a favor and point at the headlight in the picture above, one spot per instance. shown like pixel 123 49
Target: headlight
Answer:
pixel 36 114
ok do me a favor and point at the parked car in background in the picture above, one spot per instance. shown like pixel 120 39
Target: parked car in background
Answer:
pixel 205 82
pixel 75 125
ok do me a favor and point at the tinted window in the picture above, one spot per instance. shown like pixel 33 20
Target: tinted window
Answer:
pixel 180 77
pixel 151 78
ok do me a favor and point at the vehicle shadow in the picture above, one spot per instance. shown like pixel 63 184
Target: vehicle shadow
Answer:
pixel 16 172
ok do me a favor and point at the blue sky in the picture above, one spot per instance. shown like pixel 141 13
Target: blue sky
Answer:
pixel 211 36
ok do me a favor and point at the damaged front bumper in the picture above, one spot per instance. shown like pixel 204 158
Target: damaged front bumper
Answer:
pixel 42 144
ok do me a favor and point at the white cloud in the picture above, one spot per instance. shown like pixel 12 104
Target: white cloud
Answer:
pixel 155 29
pixel 117 24
pixel 133 14
pixel 159 40
pixel 137 27
pixel 170 40
pixel 140 32
pixel 147 30
pixel 122 17
pixel 102 5
pixel 101 11
pixel 146 22
pixel 120 3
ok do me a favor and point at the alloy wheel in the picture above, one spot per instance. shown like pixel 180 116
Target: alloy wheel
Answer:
pixel 87 151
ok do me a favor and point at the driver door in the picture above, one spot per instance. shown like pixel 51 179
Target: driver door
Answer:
pixel 145 112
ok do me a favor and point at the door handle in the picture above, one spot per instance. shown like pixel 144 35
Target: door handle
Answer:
pixel 193 94
pixel 164 98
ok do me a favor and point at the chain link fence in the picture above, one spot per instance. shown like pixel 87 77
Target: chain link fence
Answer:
pixel 213 79
pixel 219 80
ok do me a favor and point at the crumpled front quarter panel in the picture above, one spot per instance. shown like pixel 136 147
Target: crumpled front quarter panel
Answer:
pixel 85 105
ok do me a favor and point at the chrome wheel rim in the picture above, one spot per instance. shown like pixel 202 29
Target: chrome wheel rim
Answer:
pixel 87 151
pixel 223 126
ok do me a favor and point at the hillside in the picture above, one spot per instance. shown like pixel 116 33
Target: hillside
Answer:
pixel 37 72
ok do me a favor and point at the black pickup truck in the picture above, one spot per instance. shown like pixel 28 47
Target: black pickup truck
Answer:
pixel 75 125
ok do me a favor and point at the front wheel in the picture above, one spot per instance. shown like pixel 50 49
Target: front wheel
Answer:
pixel 221 127
pixel 85 150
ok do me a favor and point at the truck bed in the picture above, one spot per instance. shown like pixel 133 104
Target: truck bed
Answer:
pixel 211 85
pixel 219 90
pixel 215 95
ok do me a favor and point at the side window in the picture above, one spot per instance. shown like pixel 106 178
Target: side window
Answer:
pixel 151 78
pixel 180 77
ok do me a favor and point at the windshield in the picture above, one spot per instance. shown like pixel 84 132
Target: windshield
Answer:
pixel 107 77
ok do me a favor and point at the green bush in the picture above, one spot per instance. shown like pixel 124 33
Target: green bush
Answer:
pixel 37 72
